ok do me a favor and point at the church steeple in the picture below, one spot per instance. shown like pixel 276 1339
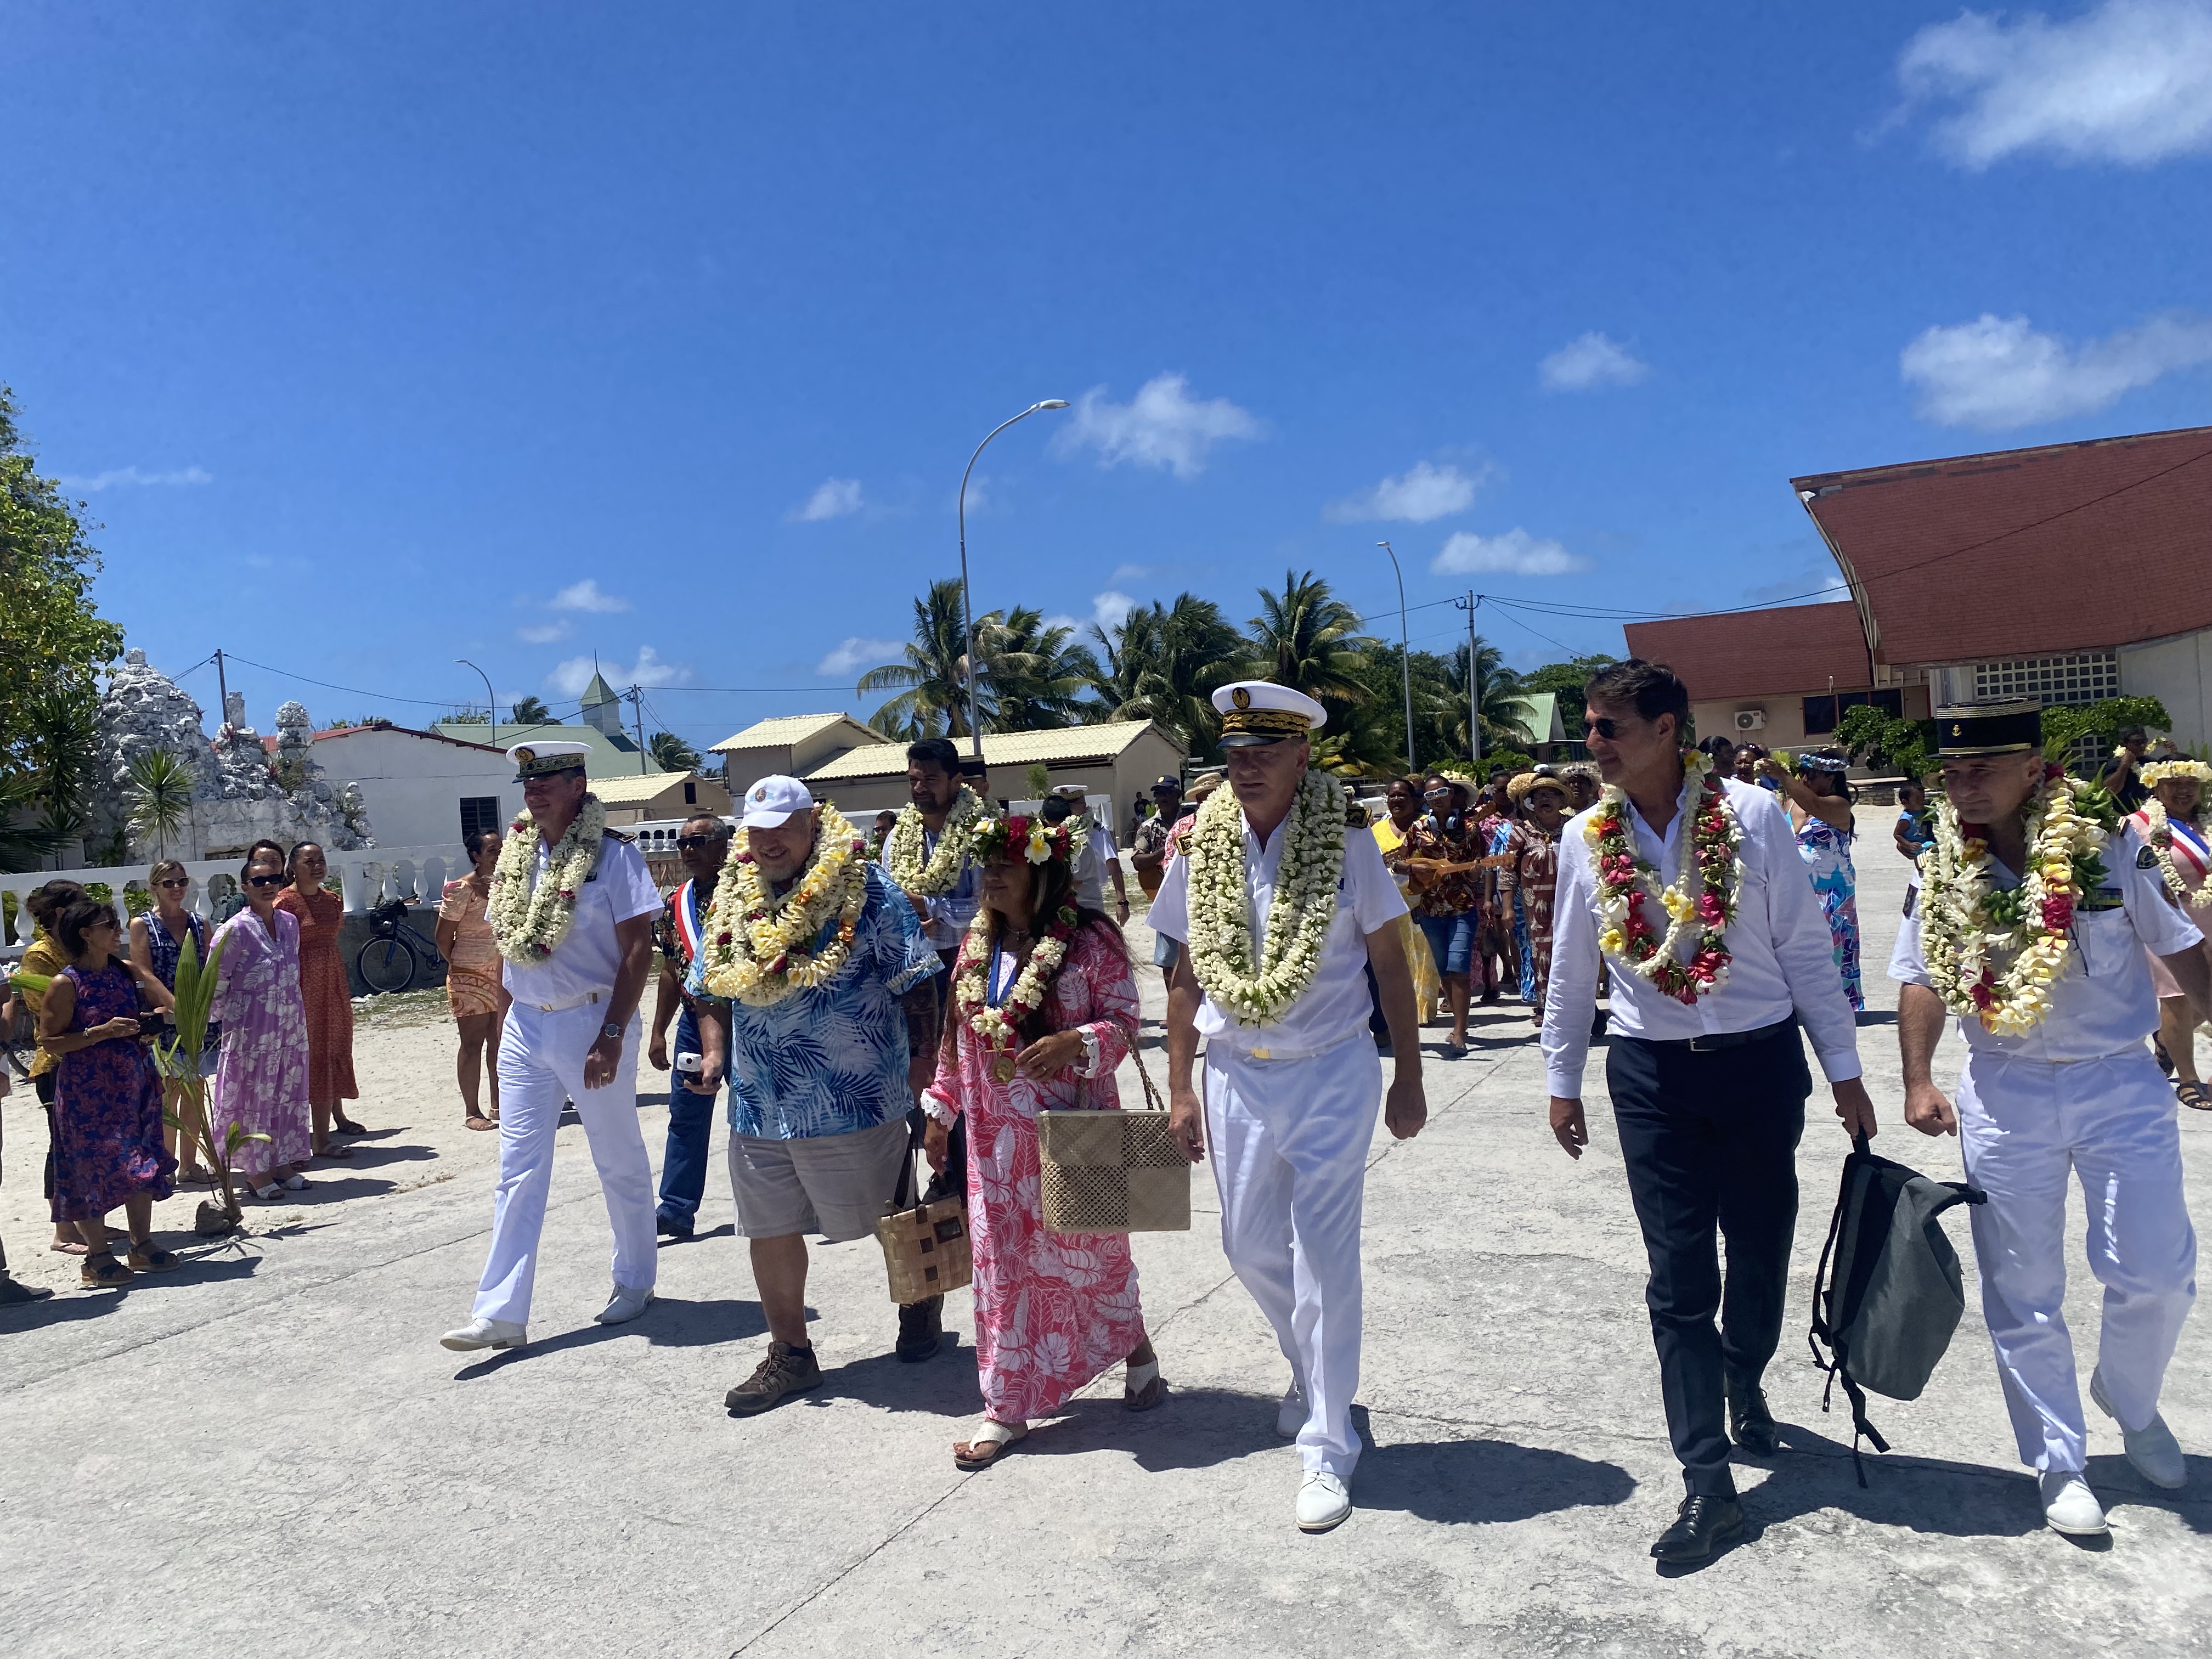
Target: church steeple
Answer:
pixel 602 707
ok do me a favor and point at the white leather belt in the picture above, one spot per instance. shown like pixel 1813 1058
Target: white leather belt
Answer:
pixel 583 1001
pixel 1288 1053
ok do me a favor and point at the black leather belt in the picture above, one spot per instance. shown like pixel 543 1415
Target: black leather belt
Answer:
pixel 1715 1042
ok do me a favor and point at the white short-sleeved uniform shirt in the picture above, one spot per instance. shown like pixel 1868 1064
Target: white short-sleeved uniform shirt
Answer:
pixel 619 888
pixel 1090 872
pixel 1335 1006
pixel 2102 1002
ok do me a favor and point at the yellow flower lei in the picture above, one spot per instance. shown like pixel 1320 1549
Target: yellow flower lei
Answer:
pixel 1993 955
pixel 528 921
pixel 1221 943
pixel 903 848
pixel 759 949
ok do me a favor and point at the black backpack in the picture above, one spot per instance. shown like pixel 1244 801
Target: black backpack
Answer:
pixel 1888 1293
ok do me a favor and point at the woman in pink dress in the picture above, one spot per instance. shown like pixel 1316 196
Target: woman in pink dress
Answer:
pixel 1045 1008
pixel 261 1080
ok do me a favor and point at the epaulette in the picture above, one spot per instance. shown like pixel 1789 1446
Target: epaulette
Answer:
pixel 617 834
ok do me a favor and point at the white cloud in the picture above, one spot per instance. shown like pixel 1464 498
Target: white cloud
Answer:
pixel 1162 426
pixel 833 498
pixel 131 475
pixel 570 677
pixel 1997 372
pixel 857 653
pixel 1110 610
pixel 1592 360
pixel 1516 553
pixel 545 633
pixel 2129 81
pixel 585 595
pixel 1422 493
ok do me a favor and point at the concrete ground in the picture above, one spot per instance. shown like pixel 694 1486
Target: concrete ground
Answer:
pixel 268 1453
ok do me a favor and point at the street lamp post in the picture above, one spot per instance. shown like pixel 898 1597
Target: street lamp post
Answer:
pixel 966 609
pixel 491 704
pixel 1404 655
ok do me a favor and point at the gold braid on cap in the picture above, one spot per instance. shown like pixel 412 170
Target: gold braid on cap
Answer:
pixel 1273 722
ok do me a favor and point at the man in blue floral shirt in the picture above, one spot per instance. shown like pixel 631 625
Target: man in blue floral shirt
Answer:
pixel 822 1076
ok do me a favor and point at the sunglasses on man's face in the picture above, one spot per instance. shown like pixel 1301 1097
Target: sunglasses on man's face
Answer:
pixel 276 880
pixel 1606 728
pixel 693 843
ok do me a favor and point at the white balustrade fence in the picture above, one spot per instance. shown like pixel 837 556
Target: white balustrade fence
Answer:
pixel 365 879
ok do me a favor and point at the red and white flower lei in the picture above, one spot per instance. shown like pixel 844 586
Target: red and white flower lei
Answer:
pixel 1703 896
pixel 999 1028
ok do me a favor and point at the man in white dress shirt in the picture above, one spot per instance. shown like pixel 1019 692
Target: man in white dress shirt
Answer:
pixel 1292 1080
pixel 1708 1080
pixel 2077 1090
pixel 576 963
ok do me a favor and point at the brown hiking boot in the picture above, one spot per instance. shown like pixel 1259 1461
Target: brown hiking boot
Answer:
pixel 787 1370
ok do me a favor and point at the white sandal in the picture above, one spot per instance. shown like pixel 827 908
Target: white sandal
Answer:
pixel 993 1434
pixel 1135 1380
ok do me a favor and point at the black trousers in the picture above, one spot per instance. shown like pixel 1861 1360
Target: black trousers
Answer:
pixel 1710 1139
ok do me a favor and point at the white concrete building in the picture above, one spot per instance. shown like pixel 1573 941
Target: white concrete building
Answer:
pixel 423 789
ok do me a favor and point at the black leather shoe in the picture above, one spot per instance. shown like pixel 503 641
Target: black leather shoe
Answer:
pixel 1751 1426
pixel 920 1330
pixel 1703 1525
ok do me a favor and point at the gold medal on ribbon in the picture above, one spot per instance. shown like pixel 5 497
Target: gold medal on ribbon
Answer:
pixel 1003 1068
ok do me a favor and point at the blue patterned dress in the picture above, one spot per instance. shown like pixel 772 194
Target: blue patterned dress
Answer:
pixel 1500 839
pixel 1826 851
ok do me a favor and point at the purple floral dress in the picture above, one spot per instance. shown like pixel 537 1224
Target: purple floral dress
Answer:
pixel 107 1108
pixel 261 1080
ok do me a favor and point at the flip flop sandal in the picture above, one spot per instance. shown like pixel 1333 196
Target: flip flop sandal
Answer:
pixel 991 1438
pixel 477 1121
pixel 2194 1096
pixel 1142 1387
pixel 68 1250
pixel 346 1126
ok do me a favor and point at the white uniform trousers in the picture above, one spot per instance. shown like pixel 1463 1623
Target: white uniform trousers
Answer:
pixel 1288 1140
pixel 541 1064
pixel 2023 1125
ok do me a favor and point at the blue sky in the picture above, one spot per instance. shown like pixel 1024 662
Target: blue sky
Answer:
pixel 381 337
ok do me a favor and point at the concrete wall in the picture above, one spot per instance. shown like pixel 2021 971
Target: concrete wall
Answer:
pixel 414 786
pixel 2178 673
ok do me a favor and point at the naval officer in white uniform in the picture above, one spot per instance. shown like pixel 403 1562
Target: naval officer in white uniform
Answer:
pixel 572 907
pixel 2076 1091
pixel 1282 913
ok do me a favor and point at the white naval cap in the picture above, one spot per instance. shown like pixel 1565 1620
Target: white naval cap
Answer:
pixel 772 800
pixel 546 759
pixel 1260 711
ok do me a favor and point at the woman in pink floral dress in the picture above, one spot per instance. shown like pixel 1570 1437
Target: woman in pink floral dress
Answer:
pixel 261 1080
pixel 1045 1010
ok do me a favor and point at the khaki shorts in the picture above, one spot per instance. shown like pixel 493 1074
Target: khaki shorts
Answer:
pixel 834 1185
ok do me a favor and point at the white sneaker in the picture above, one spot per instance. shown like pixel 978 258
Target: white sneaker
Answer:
pixel 1291 1416
pixel 2152 1449
pixel 1323 1501
pixel 2068 1505
pixel 481 1332
pixel 629 1301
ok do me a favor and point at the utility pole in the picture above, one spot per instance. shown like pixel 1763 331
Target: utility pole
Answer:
pixel 1473 678
pixel 637 715
pixel 223 690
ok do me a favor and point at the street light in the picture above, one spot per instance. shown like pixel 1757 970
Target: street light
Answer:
pixel 1405 654
pixel 967 611
pixel 491 704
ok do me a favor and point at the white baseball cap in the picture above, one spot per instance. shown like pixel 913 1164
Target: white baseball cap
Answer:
pixel 772 800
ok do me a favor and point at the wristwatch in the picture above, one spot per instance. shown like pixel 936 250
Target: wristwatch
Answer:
pixel 610 1030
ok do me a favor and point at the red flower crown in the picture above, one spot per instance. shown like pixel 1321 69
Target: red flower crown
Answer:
pixel 994 837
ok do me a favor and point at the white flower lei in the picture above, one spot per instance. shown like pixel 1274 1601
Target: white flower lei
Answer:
pixel 528 921
pixel 1298 921
pixel 997 1027
pixel 759 949
pixel 2158 832
pixel 1993 955
pixel 903 848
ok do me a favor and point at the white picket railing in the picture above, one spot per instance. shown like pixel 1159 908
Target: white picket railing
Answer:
pixel 365 879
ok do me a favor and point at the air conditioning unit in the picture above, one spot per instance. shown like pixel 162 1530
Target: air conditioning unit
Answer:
pixel 1751 720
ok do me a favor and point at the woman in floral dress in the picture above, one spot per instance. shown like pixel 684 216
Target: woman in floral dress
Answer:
pixel 328 994
pixel 261 1080
pixel 107 1096
pixel 475 988
pixel 1528 877
pixel 1052 1310
pixel 157 944
pixel 1819 805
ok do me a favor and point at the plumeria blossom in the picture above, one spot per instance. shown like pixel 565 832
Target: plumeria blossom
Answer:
pixel 1701 900
pixel 527 924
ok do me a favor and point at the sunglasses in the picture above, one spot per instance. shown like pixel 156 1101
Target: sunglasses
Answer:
pixel 1606 728
pixel 276 880
pixel 693 843
pixel 174 881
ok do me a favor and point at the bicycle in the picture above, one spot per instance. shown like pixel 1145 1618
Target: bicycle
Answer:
pixel 394 952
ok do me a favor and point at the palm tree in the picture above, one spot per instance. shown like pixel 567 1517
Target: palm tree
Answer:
pixel 1505 710
pixel 932 681
pixel 530 711
pixel 671 754
pixel 1034 677
pixel 23 846
pixel 63 747
pixel 1165 663
pixel 1306 639
pixel 159 797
